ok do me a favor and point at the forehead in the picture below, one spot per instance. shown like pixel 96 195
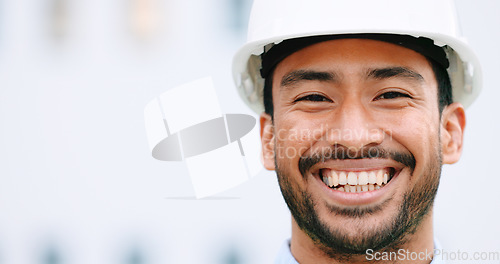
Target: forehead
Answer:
pixel 353 56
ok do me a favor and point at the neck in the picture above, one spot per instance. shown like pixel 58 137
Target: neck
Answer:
pixel 305 251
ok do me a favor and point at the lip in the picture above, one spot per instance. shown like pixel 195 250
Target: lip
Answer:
pixel 362 198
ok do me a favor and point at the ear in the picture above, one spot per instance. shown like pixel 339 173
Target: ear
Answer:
pixel 267 141
pixel 452 132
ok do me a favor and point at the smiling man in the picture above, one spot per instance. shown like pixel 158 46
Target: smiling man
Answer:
pixel 360 111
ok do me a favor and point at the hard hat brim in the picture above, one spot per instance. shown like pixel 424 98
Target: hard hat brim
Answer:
pixel 464 70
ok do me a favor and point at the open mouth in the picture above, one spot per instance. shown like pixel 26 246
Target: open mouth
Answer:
pixel 357 181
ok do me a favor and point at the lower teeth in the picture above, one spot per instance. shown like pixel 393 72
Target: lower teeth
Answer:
pixel 358 188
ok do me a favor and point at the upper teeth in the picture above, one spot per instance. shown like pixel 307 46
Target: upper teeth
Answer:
pixel 355 181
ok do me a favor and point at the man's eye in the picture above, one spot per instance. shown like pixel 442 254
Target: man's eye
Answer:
pixel 314 98
pixel 392 95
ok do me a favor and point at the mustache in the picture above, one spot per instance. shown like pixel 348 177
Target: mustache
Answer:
pixel 344 153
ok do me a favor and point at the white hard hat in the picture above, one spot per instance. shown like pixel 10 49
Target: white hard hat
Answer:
pixel 273 21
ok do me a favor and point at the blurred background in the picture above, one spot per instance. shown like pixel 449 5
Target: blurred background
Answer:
pixel 77 180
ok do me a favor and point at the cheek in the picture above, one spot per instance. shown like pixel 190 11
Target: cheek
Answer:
pixel 417 133
pixel 295 136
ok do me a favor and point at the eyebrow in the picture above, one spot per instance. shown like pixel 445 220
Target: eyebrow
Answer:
pixel 394 72
pixel 377 73
pixel 308 75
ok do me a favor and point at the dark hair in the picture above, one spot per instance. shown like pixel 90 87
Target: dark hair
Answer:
pixel 445 96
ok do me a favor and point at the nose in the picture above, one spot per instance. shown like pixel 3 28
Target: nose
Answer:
pixel 354 126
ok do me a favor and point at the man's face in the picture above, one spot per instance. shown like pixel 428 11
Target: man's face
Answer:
pixel 361 111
